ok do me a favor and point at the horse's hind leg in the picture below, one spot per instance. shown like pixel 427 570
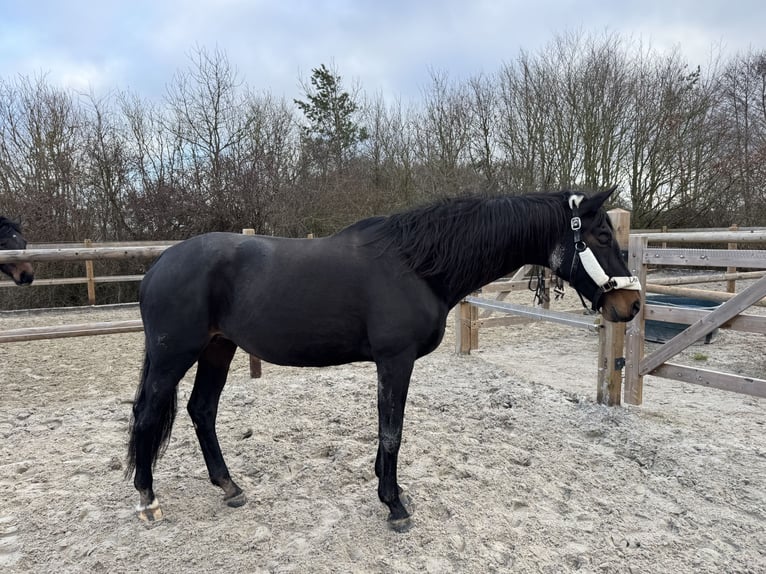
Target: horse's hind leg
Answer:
pixel 154 411
pixel 212 369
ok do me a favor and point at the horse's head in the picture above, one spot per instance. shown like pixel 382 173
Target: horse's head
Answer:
pixel 11 238
pixel 589 259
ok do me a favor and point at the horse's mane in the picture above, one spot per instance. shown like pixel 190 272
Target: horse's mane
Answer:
pixel 459 240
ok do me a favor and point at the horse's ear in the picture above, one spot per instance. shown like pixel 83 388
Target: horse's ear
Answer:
pixel 593 203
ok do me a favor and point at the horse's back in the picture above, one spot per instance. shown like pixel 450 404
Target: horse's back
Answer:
pixel 289 301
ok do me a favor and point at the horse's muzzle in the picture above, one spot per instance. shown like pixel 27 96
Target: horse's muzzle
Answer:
pixel 25 278
pixel 22 273
pixel 621 306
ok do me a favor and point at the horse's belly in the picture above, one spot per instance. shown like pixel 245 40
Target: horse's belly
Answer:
pixel 303 353
pixel 304 345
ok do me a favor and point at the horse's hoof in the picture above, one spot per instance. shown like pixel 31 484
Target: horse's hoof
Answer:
pixel 236 501
pixel 400 525
pixel 151 513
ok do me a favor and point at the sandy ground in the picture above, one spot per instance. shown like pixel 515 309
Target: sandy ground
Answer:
pixel 509 463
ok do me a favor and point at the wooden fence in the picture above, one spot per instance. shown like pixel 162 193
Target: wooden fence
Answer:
pixel 88 253
pixel 618 346
pixel 729 315
pixel 622 346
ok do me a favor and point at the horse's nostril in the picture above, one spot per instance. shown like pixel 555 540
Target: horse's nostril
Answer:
pixel 636 307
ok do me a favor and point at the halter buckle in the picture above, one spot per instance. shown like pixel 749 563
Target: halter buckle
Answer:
pixel 609 285
pixel 576 223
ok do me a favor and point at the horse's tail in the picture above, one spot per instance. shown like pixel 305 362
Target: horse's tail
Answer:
pixel 160 432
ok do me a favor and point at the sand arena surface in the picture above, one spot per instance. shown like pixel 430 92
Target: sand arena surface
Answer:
pixel 509 463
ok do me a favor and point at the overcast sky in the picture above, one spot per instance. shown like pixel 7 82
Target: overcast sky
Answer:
pixel 389 46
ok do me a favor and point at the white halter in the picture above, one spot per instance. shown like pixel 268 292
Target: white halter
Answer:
pixel 591 265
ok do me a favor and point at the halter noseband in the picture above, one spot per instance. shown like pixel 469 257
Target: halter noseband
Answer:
pixel 583 254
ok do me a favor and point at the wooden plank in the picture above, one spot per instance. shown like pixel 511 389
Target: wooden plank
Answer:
pixel 505 287
pixel 731 285
pixel 753 258
pixel 705 325
pixel 634 333
pixel 256 369
pixel 89 275
pixel 684 315
pixel 74 330
pixel 719 296
pixel 463 328
pixel 535 313
pixel 707 278
pixel 501 321
pixel 620 219
pixel 654 231
pixel 713 379
pixel 81 254
pixel 757 235
pixel 80 244
pixel 610 355
pixel 77 280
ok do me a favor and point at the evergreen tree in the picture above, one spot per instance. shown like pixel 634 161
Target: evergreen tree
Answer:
pixel 332 133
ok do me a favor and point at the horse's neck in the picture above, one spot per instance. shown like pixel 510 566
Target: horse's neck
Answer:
pixel 525 245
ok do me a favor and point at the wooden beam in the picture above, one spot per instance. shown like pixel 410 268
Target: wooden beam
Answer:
pixel 90 275
pixel 74 330
pixel 256 368
pixel 705 325
pixel 620 219
pixel 713 379
pixel 463 328
pixel 752 258
pixel 634 334
pixel 505 287
pixel 538 313
pixel 81 254
pixel 687 316
pixel 77 280
pixel 707 278
pixel 610 363
pixel 757 235
pixel 719 296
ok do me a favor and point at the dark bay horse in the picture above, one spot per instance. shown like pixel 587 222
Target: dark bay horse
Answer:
pixel 11 238
pixel 379 290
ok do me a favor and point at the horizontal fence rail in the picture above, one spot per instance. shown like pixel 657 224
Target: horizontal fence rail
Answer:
pixel 82 253
pixel 73 330
pixel 561 317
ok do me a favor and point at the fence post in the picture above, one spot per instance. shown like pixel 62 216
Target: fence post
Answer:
pixel 731 284
pixel 611 343
pixel 90 276
pixel 255 362
pixel 634 333
pixel 464 331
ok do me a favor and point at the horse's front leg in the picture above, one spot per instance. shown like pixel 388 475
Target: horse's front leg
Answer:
pixel 393 382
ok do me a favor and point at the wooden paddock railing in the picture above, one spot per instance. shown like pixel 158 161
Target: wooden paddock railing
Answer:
pixel 618 347
pixel 729 315
pixel 88 253
pixel 622 347
pixel 611 335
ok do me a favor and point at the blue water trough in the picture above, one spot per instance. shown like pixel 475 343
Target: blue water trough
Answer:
pixel 663 331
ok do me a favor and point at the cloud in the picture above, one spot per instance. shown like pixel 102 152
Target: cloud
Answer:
pixel 388 47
